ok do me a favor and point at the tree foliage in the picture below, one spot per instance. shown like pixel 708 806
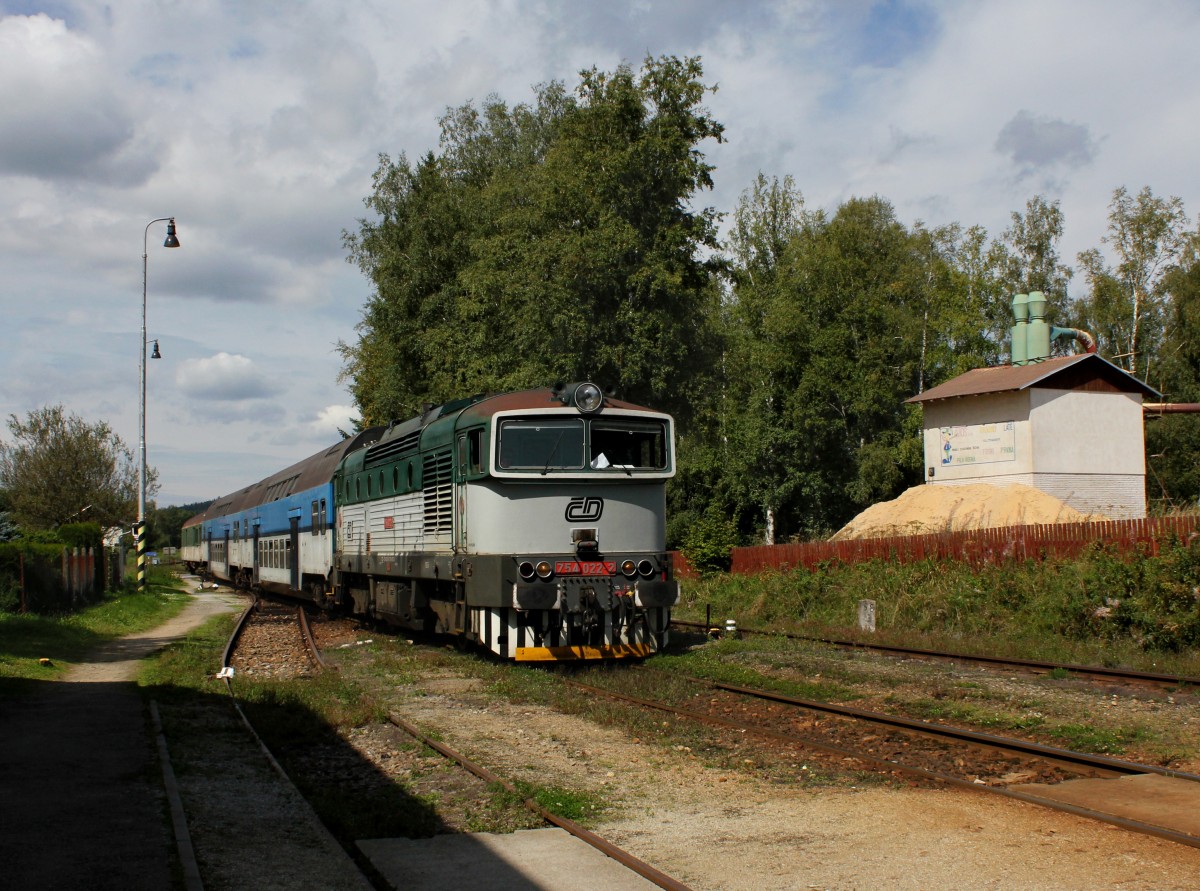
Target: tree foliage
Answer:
pixel 60 468
pixel 551 241
pixel 560 240
pixel 1128 301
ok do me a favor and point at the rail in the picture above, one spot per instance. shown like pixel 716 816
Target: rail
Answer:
pixel 889 764
pixel 1096 670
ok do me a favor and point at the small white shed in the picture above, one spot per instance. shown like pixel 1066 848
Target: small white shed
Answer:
pixel 1070 426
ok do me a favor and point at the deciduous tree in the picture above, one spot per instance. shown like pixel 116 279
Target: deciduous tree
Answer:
pixel 60 468
pixel 1127 301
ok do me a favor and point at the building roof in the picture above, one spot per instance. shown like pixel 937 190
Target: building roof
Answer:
pixel 1082 371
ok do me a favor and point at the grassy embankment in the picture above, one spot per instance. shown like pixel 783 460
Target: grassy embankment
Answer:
pixel 25 640
pixel 1101 609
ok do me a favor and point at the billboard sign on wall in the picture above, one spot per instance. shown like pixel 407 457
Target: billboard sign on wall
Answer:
pixel 978 443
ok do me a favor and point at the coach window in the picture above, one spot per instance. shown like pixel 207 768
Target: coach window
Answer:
pixel 324 517
pixel 396 479
pixel 358 487
pixel 316 519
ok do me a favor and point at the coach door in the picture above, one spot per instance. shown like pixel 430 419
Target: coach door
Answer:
pixel 294 551
pixel 255 551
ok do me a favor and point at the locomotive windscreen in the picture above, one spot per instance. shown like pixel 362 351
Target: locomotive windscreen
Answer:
pixel 543 444
pixel 561 444
pixel 628 445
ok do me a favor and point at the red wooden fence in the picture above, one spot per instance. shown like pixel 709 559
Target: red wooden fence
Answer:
pixel 979 546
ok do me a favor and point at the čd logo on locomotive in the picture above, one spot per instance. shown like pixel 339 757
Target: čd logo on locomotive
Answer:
pixel 585 509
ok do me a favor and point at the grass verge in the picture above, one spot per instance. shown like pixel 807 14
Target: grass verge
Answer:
pixel 27 639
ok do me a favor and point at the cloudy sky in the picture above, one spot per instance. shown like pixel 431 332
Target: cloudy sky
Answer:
pixel 257 124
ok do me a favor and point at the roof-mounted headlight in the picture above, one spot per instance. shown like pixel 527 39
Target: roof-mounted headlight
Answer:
pixel 588 398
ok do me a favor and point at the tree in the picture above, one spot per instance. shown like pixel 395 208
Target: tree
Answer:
pixel 1126 303
pixel 825 324
pixel 553 241
pixel 1173 441
pixel 59 468
pixel 1026 257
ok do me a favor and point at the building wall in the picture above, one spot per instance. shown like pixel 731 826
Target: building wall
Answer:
pixel 1087 432
pixel 966 423
pixel 1083 447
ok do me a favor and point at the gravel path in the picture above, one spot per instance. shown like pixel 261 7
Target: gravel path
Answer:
pixel 725 831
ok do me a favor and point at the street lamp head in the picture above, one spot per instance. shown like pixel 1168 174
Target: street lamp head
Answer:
pixel 171 241
pixel 156 354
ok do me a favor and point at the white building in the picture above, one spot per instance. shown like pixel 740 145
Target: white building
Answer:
pixel 1070 426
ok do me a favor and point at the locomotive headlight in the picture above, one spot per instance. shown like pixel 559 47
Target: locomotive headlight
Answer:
pixel 588 398
pixel 544 569
pixel 527 571
pixel 628 568
pixel 646 568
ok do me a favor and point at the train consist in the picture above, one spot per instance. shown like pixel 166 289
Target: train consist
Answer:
pixel 531 523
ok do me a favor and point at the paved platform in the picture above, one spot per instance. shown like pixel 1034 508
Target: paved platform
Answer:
pixel 550 859
pixel 1148 798
pixel 80 782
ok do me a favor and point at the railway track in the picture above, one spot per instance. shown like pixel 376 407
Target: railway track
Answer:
pixel 932 752
pixel 1099 671
pixel 271 637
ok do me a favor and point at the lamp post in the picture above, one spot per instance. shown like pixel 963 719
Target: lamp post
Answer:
pixel 139 529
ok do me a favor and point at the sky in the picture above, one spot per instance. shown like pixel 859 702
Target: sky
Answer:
pixel 257 125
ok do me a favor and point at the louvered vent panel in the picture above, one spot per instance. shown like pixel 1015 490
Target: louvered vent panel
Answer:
pixel 439 493
pixel 386 451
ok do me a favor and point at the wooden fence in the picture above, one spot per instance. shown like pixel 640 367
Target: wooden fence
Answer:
pixel 43 583
pixel 977 547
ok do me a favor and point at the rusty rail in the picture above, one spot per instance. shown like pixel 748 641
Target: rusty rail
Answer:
pixel 1096 670
pixel 645 870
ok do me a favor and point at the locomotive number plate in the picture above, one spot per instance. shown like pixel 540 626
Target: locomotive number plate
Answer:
pixel 580 567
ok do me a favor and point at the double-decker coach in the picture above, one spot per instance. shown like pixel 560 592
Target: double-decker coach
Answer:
pixel 277 534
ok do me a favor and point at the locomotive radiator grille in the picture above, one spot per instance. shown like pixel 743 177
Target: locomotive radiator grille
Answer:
pixel 439 493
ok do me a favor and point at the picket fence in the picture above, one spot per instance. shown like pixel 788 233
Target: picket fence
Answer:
pixel 975 547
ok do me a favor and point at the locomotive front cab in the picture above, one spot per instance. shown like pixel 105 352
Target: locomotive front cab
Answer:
pixel 575 495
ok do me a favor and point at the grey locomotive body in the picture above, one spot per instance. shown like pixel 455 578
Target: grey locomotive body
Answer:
pixel 532 523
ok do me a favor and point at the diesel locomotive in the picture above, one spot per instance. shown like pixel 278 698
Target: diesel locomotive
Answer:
pixel 531 523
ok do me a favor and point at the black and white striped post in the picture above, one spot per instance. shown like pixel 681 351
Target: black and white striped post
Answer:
pixel 139 529
pixel 139 542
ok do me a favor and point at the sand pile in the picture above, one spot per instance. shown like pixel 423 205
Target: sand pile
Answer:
pixel 930 508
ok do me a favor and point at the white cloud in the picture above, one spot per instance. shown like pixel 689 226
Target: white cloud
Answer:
pixel 63 117
pixel 334 418
pixel 224 377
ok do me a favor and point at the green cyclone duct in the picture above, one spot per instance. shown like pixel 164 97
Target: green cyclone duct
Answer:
pixel 1037 335
pixel 1020 308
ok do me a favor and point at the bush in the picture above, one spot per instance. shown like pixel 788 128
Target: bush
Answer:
pixel 1148 602
pixel 709 543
